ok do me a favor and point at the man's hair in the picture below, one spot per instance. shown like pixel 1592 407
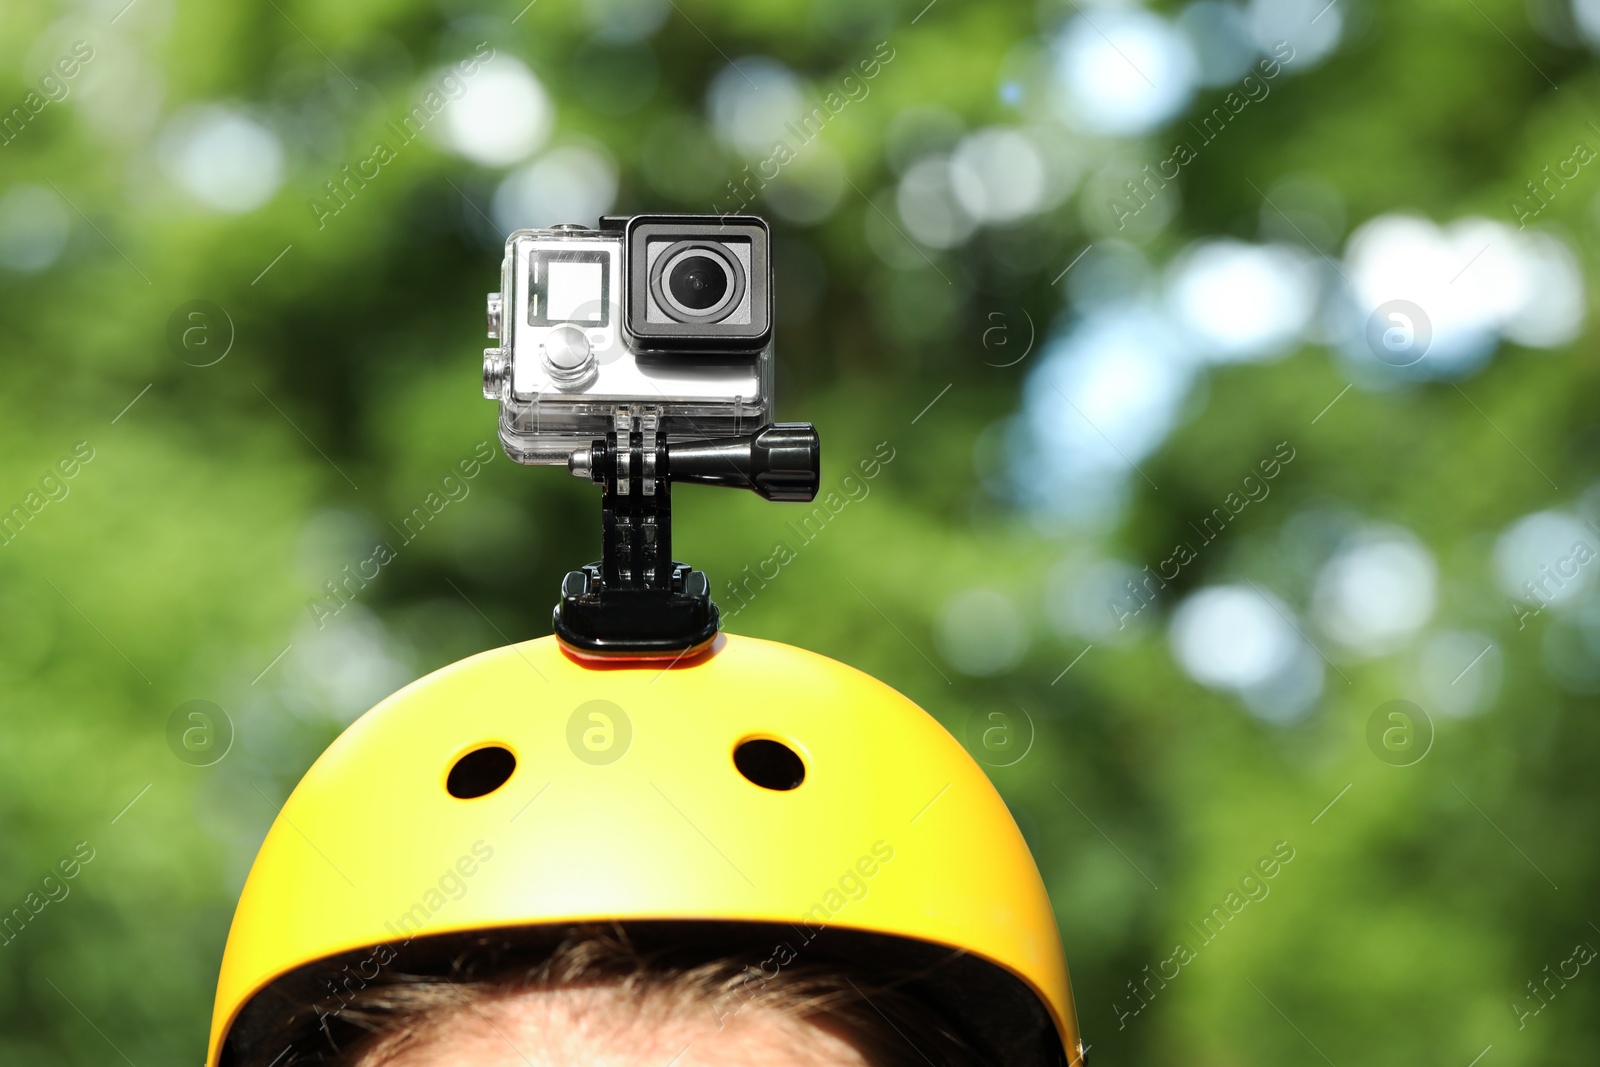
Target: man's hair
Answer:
pixel 376 1018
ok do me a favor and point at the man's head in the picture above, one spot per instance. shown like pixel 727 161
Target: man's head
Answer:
pixel 597 999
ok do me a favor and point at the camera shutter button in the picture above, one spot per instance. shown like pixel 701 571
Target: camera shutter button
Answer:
pixel 567 354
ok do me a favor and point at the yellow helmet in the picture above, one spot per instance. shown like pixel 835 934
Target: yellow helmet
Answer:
pixel 752 783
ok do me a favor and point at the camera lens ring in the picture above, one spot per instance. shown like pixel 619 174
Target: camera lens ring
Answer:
pixel 661 289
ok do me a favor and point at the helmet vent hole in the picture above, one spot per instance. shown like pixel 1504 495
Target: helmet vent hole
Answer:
pixel 480 772
pixel 769 764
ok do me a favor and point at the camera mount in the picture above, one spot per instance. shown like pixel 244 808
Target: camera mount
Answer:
pixel 637 601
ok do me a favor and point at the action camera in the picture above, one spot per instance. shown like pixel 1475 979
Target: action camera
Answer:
pixel 666 313
pixel 638 354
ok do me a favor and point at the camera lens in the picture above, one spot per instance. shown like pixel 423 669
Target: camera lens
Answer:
pixel 698 282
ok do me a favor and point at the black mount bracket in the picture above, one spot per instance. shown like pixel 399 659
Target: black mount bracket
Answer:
pixel 637 600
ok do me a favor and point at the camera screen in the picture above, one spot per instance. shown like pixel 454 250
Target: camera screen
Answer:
pixel 568 287
pixel 573 291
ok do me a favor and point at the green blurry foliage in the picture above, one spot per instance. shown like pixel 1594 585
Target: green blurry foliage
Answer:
pixel 180 563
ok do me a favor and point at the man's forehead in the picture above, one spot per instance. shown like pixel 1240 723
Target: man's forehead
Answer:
pixel 606 1026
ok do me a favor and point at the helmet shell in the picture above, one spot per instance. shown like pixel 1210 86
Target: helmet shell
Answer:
pixel 626 804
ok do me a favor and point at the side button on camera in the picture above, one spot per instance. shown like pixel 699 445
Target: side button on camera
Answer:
pixel 495 305
pixel 496 372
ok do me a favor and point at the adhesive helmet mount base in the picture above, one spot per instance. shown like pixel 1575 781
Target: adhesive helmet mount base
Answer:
pixel 637 601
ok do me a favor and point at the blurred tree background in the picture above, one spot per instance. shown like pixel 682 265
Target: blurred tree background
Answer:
pixel 1181 499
